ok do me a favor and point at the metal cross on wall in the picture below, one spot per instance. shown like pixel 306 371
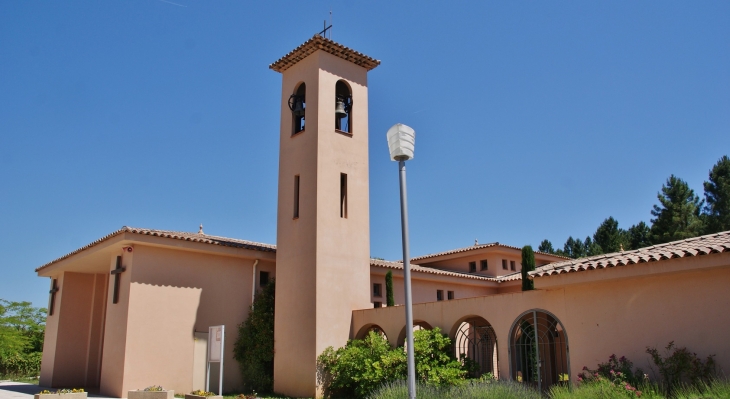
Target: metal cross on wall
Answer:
pixel 52 296
pixel 116 273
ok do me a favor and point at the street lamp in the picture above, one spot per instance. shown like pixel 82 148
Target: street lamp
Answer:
pixel 401 142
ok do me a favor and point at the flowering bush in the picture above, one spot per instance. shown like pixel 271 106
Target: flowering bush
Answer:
pixel 618 373
pixel 200 392
pixel 154 388
pixel 61 391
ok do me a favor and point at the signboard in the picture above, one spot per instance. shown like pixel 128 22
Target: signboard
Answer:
pixel 215 343
pixel 216 339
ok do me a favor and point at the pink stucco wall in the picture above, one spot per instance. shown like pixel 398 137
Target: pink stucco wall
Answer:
pixel 612 311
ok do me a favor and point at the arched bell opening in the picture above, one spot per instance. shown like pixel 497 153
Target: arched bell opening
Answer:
pixel 539 350
pixel 417 326
pixel 343 107
pixel 475 345
pixel 366 329
pixel 297 105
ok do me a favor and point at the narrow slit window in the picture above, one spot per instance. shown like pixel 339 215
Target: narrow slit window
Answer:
pixel 512 265
pixel 504 264
pixel 377 290
pixel 296 197
pixel 450 295
pixel 343 195
pixel 484 265
pixel 439 295
pixel 472 267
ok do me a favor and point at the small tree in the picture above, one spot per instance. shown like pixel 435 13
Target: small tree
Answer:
pixel 717 196
pixel 528 265
pixel 254 349
pixel 678 214
pixel 389 299
pixel 546 246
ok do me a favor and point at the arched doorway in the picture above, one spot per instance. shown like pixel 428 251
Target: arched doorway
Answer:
pixel 539 350
pixel 476 343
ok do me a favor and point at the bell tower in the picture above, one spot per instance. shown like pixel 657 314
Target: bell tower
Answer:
pixel 323 220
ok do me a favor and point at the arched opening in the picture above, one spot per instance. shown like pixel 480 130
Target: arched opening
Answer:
pixel 475 345
pixel 365 330
pixel 539 350
pixel 343 107
pixel 297 105
pixel 417 325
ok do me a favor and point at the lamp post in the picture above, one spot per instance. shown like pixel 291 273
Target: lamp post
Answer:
pixel 401 142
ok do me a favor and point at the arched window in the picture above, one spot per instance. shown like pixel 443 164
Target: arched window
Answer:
pixel 343 107
pixel 297 105
pixel 475 343
pixel 539 350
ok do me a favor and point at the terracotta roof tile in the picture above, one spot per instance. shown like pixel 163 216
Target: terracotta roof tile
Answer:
pixel 321 43
pixel 478 246
pixel 178 235
pixel 430 270
pixel 703 245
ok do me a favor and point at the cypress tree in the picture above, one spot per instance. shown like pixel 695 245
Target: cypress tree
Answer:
pixel 528 265
pixel 389 289
pixel 254 348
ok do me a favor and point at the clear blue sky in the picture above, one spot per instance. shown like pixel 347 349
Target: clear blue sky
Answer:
pixel 534 119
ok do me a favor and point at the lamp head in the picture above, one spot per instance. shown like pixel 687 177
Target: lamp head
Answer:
pixel 401 142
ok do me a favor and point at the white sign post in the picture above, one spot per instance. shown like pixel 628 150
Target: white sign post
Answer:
pixel 216 336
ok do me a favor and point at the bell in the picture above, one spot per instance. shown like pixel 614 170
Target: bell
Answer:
pixel 298 107
pixel 340 109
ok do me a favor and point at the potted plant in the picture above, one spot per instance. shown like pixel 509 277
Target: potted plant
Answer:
pixel 73 393
pixel 200 394
pixel 151 392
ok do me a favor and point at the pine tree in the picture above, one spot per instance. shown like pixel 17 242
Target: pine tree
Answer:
pixel 609 237
pixel 717 196
pixel 678 214
pixel 639 236
pixel 390 301
pixel 528 265
pixel 546 247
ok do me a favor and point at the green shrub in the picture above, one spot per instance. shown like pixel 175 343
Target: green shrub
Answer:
pixel 254 348
pixel 680 367
pixel 361 366
pixel 20 364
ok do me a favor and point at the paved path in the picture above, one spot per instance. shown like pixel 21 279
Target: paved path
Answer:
pixel 21 390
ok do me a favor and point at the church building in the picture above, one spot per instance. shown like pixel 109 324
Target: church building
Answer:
pixel 132 309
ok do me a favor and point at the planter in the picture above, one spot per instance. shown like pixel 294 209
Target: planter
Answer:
pixel 189 396
pixel 77 395
pixel 150 394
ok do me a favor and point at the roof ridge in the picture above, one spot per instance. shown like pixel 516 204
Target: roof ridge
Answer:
pixel 181 235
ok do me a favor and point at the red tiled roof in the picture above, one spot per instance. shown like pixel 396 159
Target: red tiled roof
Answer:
pixel 321 43
pixel 430 270
pixel 697 246
pixel 178 235
pixel 475 247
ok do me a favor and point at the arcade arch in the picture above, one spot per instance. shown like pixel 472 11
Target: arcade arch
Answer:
pixel 538 349
pixel 475 341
